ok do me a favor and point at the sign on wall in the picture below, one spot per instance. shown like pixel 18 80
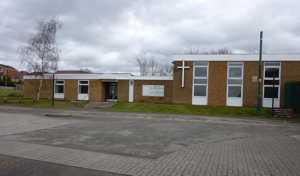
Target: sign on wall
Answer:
pixel 154 90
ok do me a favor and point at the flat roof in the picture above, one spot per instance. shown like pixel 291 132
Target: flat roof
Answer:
pixel 99 76
pixel 237 57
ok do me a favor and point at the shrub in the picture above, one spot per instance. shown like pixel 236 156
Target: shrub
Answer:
pixel 15 94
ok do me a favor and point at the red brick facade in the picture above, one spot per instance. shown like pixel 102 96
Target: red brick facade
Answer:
pixel 173 90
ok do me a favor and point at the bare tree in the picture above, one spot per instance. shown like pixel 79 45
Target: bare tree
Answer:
pixel 142 63
pixel 221 51
pixel 151 67
pixel 41 54
pixel 167 70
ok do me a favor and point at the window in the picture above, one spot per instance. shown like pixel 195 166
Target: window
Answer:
pixel 272 72
pixel 59 86
pixel 200 71
pixel 235 72
pixel 235 80
pixel 271 78
pixel 234 91
pixel 83 87
pixel 200 78
pixel 200 90
pixel 271 92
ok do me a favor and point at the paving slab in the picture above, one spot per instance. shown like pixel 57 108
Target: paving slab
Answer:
pixel 147 144
pixel 10 166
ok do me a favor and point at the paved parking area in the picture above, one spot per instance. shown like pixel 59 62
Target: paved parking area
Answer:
pixel 144 144
pixel 11 166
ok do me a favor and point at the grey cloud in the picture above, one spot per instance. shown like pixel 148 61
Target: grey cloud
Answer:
pixel 106 36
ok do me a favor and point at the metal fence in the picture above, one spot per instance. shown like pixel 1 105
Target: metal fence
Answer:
pixel 292 96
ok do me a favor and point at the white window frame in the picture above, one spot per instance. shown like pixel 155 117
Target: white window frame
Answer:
pixel 59 95
pixel 83 96
pixel 200 100
pixel 267 102
pixel 235 101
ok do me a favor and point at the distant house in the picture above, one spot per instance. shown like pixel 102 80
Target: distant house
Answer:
pixel 213 80
pixel 14 74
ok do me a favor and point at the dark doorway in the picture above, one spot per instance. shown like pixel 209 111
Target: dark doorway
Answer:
pixel 111 91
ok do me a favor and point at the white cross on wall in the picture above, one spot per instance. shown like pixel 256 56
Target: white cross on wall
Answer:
pixel 183 67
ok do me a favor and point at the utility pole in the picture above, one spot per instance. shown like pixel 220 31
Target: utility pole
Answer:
pixel 53 89
pixel 259 91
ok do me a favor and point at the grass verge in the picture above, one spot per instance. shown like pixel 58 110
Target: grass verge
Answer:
pixel 189 109
pixel 236 112
pixel 42 103
pixel 16 98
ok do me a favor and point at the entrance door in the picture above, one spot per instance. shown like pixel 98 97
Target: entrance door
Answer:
pixel 235 84
pixel 271 84
pixel 111 91
pixel 200 83
pixel 83 90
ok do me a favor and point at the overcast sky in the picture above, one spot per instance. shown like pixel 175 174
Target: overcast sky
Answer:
pixel 106 35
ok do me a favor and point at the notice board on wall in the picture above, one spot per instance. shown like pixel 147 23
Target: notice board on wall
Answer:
pixel 154 90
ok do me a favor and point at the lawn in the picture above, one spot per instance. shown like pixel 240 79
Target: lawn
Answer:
pixel 16 98
pixel 189 109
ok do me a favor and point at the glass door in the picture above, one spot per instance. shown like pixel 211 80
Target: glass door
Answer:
pixel 235 84
pixel 200 83
pixel 271 84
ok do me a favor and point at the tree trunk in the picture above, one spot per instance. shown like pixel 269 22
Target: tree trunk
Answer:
pixel 39 90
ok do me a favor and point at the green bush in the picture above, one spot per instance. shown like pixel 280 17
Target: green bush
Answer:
pixel 15 94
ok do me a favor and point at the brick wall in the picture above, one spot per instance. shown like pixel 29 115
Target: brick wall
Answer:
pixel 250 86
pixel 71 90
pixel 138 90
pixel 183 95
pixel 123 90
pixel 96 90
pixel 31 88
pixel 217 83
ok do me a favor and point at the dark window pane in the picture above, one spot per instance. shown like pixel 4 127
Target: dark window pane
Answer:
pixel 59 89
pixel 59 82
pixel 272 63
pixel 234 91
pixel 272 72
pixel 270 82
pixel 200 81
pixel 200 71
pixel 271 92
pixel 235 64
pixel 83 82
pixel 235 72
pixel 200 63
pixel 199 90
pixel 234 81
pixel 83 89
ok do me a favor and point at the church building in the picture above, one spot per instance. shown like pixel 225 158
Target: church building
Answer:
pixel 213 80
